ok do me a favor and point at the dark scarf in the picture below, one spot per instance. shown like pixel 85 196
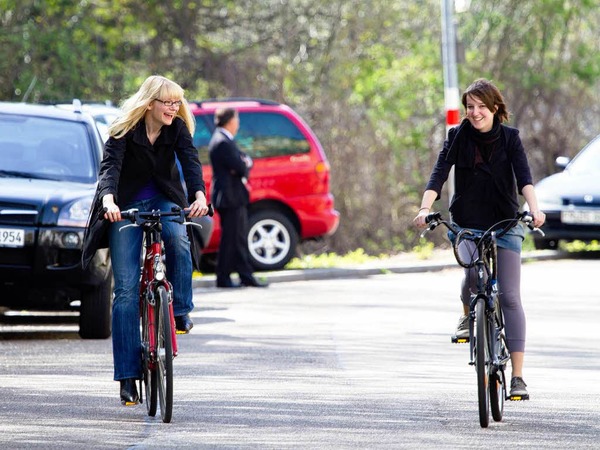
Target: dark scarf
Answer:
pixel 485 143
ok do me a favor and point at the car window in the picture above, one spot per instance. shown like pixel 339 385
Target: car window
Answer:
pixel 46 148
pixel 587 160
pixel 261 135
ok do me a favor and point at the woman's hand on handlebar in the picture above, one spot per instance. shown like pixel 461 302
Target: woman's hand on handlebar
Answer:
pixel 198 207
pixel 420 219
pixel 538 218
pixel 111 210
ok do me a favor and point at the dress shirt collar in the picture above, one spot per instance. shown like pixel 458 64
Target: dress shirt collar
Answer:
pixel 225 132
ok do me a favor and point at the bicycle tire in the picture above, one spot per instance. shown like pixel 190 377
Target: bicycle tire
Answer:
pixel 497 394
pixel 481 362
pixel 164 355
pixel 149 375
pixel 498 380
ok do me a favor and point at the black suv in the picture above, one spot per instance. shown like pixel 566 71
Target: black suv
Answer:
pixel 49 161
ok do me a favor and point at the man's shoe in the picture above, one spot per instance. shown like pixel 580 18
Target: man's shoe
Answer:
pixel 462 329
pixel 183 324
pixel 253 282
pixel 129 393
pixel 518 389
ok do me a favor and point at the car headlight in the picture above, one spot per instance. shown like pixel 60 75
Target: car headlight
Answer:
pixel 75 214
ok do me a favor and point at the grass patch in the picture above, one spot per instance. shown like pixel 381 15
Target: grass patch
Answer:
pixel 580 246
pixel 327 260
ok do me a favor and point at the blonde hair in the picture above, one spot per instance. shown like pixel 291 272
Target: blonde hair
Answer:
pixel 135 107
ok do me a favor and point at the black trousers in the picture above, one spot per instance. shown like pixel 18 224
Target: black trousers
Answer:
pixel 233 248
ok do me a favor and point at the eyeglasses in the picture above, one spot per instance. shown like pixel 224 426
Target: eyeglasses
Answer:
pixel 170 103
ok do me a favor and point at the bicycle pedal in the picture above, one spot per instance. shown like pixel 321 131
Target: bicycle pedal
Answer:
pixel 129 403
pixel 462 340
pixel 181 332
pixel 518 398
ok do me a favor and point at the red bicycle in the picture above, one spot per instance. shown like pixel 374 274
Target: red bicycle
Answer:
pixel 159 340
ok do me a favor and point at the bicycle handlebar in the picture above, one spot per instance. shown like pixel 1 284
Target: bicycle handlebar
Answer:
pixel 140 217
pixel 434 219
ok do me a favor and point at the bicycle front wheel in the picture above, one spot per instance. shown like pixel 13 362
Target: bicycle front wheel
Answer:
pixel 498 379
pixel 497 394
pixel 149 371
pixel 481 362
pixel 164 355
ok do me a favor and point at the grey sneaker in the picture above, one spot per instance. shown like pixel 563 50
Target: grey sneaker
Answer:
pixel 462 329
pixel 518 388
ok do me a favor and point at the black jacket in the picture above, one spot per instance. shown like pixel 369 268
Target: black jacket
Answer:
pixel 229 172
pixel 486 193
pixel 128 165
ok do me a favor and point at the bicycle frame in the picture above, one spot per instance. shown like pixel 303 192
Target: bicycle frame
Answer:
pixel 487 289
pixel 153 275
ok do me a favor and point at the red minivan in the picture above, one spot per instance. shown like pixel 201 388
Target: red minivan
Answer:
pixel 290 199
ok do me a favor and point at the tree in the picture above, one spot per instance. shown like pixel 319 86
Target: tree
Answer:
pixel 366 75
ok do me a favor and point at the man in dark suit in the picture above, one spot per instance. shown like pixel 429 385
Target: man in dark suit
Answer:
pixel 230 197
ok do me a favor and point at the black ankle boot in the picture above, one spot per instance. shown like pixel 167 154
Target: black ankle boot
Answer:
pixel 129 393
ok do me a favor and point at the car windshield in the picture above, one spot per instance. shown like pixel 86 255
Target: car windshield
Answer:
pixel 587 160
pixel 46 148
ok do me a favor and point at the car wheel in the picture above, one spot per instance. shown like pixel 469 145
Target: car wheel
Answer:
pixel 545 244
pixel 272 240
pixel 95 311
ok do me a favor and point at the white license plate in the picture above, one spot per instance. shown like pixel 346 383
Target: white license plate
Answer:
pixel 10 237
pixel 580 217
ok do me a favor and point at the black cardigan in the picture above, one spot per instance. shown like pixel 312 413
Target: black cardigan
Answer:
pixel 485 194
pixel 128 165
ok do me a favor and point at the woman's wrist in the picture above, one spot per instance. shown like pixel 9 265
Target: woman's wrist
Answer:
pixel 423 208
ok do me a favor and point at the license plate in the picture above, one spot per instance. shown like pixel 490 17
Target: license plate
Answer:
pixel 580 217
pixel 10 237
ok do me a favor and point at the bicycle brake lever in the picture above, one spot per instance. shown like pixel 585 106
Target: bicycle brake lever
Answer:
pixel 528 219
pixel 427 230
pixel 539 231
pixel 192 223
pixel 127 226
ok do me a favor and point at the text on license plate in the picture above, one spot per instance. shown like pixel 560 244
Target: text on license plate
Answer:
pixel 580 217
pixel 10 237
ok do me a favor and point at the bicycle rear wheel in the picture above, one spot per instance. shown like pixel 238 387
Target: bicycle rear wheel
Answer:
pixel 481 362
pixel 150 385
pixel 164 354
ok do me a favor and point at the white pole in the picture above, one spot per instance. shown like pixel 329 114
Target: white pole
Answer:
pixel 451 95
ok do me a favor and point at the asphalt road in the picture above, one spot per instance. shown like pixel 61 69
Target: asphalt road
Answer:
pixel 341 363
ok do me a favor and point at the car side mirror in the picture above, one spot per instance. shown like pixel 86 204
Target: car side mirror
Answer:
pixel 562 161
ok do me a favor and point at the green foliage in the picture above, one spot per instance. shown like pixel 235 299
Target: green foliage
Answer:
pixel 580 246
pixel 366 75
pixel 326 260
pixel 424 250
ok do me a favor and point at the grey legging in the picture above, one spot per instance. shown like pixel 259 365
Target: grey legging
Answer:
pixel 509 282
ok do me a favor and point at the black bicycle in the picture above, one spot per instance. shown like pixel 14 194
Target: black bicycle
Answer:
pixel 488 349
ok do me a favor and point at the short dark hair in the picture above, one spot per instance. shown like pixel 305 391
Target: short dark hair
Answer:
pixel 224 115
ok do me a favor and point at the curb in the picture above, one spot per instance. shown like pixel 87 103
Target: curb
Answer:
pixel 367 270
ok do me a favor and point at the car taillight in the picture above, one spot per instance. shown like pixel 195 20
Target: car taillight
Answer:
pixel 322 170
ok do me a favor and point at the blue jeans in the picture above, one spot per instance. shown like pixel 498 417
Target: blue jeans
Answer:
pixel 125 250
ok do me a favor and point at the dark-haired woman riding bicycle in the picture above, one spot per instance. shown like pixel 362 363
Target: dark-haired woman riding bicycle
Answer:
pixel 490 168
